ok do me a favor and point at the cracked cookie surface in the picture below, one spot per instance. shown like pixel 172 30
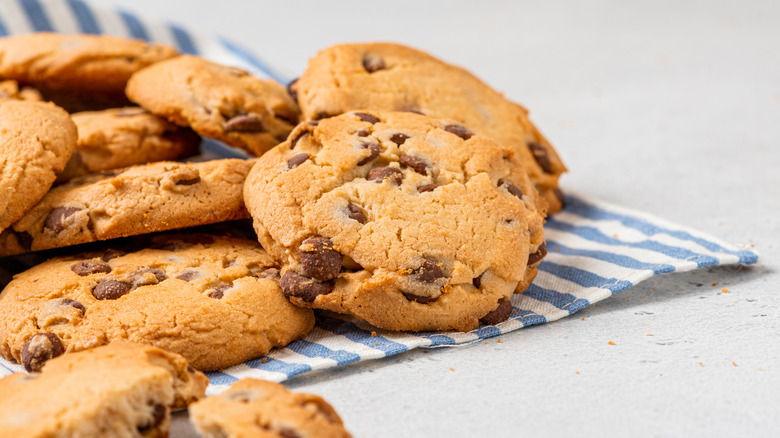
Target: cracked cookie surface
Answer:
pixel 392 77
pixel 36 140
pixel 217 101
pixel 213 299
pixel 392 218
pixel 77 71
pixel 257 408
pixel 121 137
pixel 136 200
pixel 120 390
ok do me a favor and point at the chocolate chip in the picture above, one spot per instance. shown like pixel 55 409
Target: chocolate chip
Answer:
pixel 188 182
pixel 559 194
pixel 415 163
pixel 190 369
pixel 477 281
pixel 398 138
pixel 374 151
pixel 54 221
pixel 313 122
pixel 418 298
pixel 459 130
pixel 537 256
pixel 365 117
pixel 139 278
pixel 379 174
pixel 73 303
pixel 291 89
pixel 513 189
pixel 159 412
pixel 24 239
pixel 319 259
pixel 188 275
pixel 40 348
pixel 291 119
pixel 244 123
pixel 363 133
pixel 111 254
pixel 429 272
pixel 111 289
pixel 89 267
pixel 499 314
pixel 373 63
pixel 297 160
pixel 540 155
pixel 305 288
pixel 286 432
pixel 320 116
pixel 426 188
pixel 271 273
pixel 356 213
pixel 298 138
pixel 219 292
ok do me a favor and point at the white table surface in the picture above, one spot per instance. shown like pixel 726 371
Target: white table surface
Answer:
pixel 669 107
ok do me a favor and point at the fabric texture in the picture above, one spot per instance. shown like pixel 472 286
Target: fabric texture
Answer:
pixel 595 249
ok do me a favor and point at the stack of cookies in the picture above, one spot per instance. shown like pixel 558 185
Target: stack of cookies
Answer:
pixel 387 186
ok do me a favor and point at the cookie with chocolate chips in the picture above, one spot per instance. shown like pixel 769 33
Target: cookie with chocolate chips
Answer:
pixel 215 300
pixel 220 102
pixel 121 137
pixel 78 72
pixel 36 140
pixel 123 389
pixel 392 77
pixel 391 217
pixel 257 408
pixel 126 202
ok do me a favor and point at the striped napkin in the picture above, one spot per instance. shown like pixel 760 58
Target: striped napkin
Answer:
pixel 595 249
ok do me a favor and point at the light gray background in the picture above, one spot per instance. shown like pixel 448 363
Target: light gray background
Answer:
pixel 669 107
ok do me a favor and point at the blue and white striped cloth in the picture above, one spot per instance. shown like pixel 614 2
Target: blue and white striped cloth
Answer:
pixel 595 249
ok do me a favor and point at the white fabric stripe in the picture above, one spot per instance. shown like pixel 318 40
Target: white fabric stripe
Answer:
pixel 14 18
pixel 111 23
pixel 159 33
pixel 61 16
pixel 598 267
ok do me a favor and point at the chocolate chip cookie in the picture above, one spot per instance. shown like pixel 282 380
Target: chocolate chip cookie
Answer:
pixel 392 77
pixel 257 408
pixel 138 200
pixel 123 389
pixel 220 102
pixel 77 71
pixel 121 137
pixel 36 140
pixel 215 300
pixel 393 218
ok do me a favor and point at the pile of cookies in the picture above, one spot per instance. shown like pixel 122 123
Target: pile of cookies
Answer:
pixel 388 186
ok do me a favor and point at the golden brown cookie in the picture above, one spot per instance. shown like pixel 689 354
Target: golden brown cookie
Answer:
pixel 392 77
pixel 392 218
pixel 213 299
pixel 254 408
pixel 77 71
pixel 121 137
pixel 10 90
pixel 36 140
pixel 216 101
pixel 120 390
pixel 126 202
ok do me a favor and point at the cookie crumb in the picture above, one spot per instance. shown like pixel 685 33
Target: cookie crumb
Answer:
pixel 615 235
pixel 265 360
pixel 375 344
pixel 583 318
pixel 734 363
pixel 373 334
pixel 724 290
pixel 647 333
pixel 452 369
pixel 577 372
pixel 714 284
pixel 499 340
pixel 655 288
pixel 611 343
pixel 701 364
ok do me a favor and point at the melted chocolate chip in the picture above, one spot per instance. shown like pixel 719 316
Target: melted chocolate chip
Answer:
pixel 429 272
pixel 292 119
pixel 111 254
pixel 420 299
pixel 89 267
pixel 374 151
pixel 54 221
pixel 188 275
pixel 159 412
pixel 499 314
pixel 392 174
pixel 356 213
pixel 537 256
pixel 188 182
pixel 271 273
pixel 540 155
pixel 305 288
pixel 426 188
pixel 320 116
pixel 244 123
pixel 459 130
pixel 399 138
pixel 286 432
pixel 291 89
pixel 373 63
pixel 111 289
pixel 75 304
pixel 513 189
pixel 24 239
pixel 298 138
pixel 559 194
pixel 365 117
pixel 415 163
pixel 219 292
pixel 477 281
pixel 319 259
pixel 363 133
pixel 297 160
pixel 139 278
pixel 40 348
